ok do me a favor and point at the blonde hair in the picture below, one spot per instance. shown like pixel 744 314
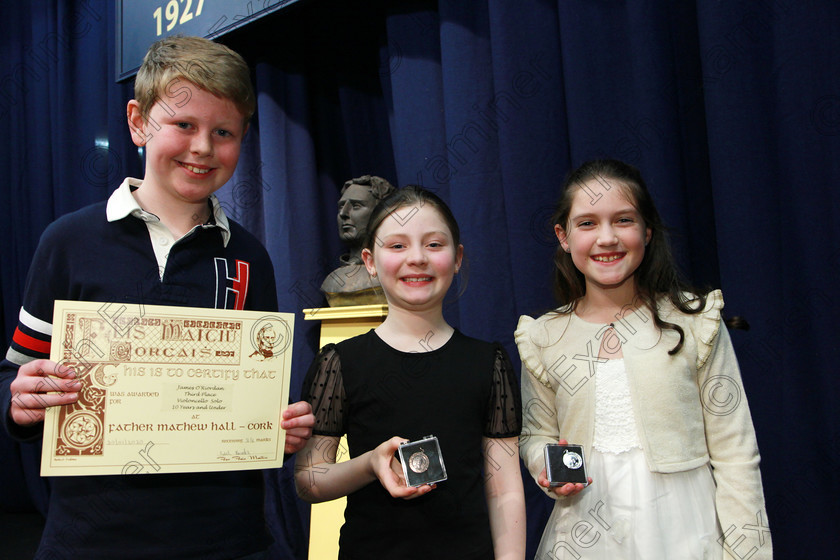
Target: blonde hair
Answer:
pixel 211 66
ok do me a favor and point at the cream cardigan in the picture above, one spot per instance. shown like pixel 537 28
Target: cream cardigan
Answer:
pixel 690 408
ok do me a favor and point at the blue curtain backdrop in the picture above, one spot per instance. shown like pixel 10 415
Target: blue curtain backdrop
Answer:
pixel 731 110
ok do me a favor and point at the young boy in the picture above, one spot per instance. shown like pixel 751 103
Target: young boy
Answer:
pixel 163 240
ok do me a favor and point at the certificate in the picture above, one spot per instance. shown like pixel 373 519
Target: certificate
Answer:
pixel 168 389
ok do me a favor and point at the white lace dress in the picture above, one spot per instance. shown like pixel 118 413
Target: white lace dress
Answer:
pixel 629 512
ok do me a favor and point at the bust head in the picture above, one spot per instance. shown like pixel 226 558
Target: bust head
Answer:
pixel 358 198
pixel 350 283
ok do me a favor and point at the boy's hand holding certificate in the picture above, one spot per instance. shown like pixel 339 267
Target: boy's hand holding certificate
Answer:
pixel 168 389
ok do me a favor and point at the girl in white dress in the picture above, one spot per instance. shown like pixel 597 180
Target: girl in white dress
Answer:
pixel 637 368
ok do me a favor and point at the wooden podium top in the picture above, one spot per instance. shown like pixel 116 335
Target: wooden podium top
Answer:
pixel 374 311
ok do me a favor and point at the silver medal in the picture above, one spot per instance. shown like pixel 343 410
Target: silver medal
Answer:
pixel 572 460
pixel 419 462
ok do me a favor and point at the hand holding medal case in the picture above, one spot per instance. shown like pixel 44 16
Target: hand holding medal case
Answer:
pixel 422 461
pixel 564 463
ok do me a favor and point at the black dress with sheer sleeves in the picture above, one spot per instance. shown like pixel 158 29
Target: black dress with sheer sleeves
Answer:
pixel 462 392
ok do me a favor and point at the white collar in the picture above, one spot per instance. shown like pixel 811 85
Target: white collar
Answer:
pixel 122 203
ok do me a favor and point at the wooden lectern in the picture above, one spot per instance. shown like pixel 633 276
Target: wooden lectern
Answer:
pixel 337 324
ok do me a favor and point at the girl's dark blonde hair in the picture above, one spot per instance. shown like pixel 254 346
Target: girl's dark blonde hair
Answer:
pixel 657 274
pixel 211 66
pixel 412 197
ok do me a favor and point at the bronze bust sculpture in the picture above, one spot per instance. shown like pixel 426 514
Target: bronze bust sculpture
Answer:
pixel 350 283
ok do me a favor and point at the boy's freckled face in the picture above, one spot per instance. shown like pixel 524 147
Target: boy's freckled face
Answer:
pixel 191 150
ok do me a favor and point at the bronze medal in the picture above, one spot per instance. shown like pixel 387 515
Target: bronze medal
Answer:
pixel 419 462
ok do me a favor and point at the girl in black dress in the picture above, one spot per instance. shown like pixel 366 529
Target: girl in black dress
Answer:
pixel 413 376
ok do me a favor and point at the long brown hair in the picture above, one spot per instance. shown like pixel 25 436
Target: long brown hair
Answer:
pixel 657 274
